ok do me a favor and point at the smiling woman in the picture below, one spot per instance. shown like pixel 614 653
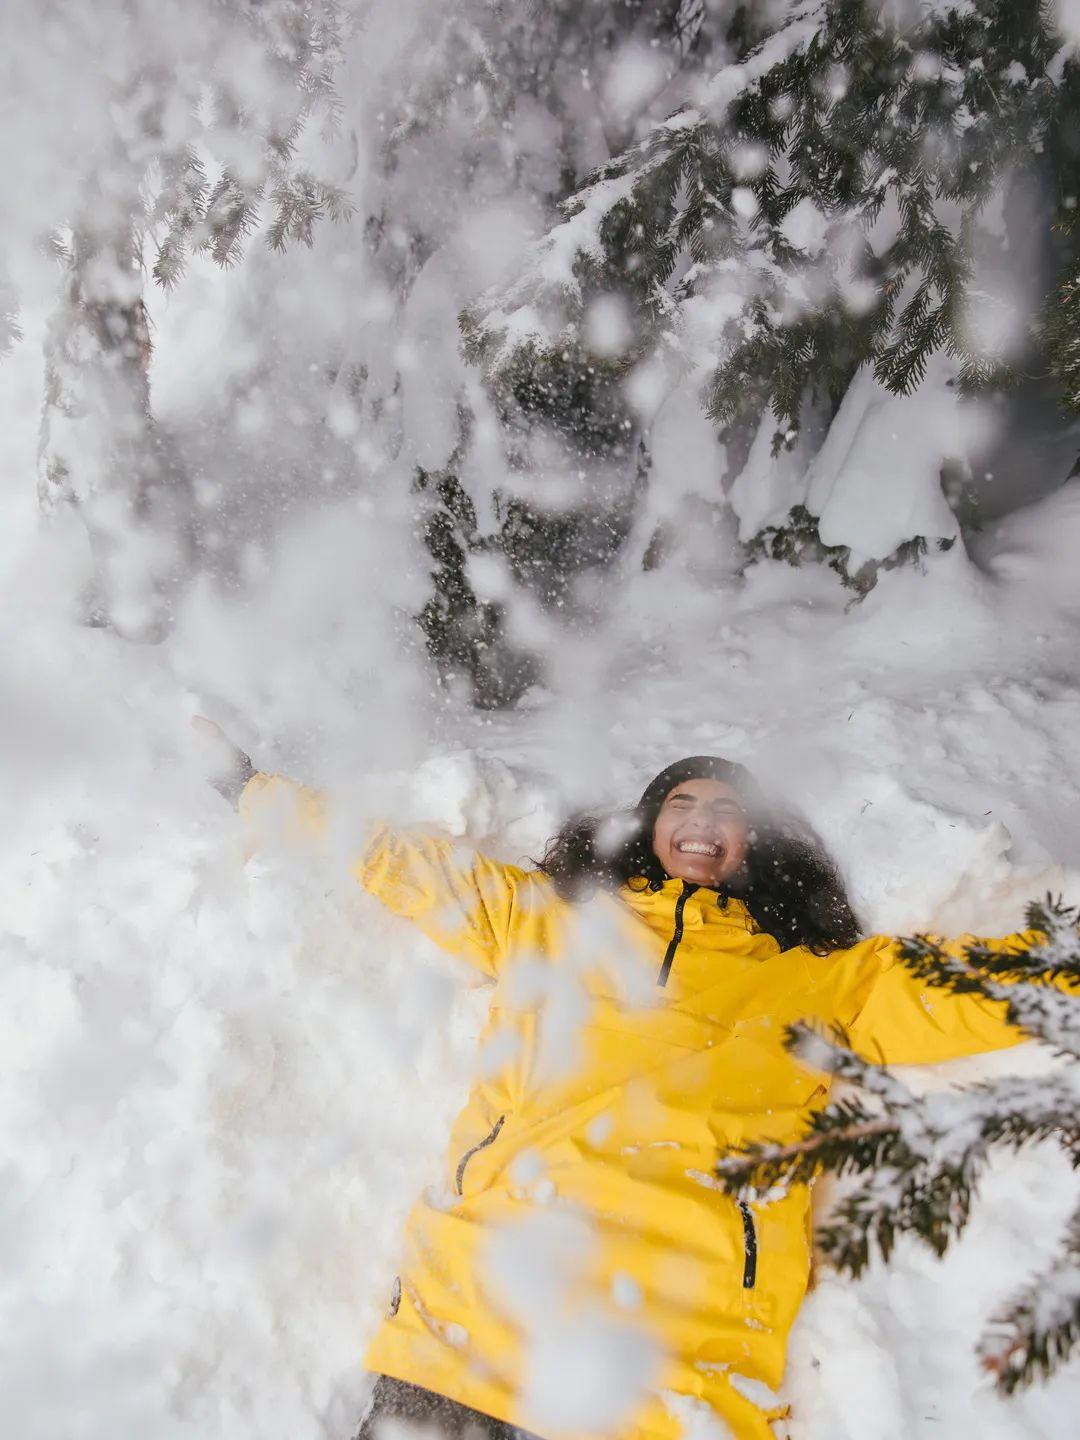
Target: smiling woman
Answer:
pixel 713 925
pixel 704 820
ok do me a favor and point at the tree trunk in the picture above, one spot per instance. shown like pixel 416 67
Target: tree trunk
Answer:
pixel 98 446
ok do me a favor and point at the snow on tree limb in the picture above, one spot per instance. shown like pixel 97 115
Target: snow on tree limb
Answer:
pixel 189 94
pixel 918 1158
pixel 1040 1329
pixel 837 115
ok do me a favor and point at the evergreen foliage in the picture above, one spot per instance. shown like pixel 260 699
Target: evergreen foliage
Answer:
pixel 811 207
pixel 1059 331
pixel 300 44
pixel 465 635
pixel 917 1159
pixel 569 406
pixel 797 540
pixel 10 329
pixel 848 110
pixel 544 549
pixel 170 119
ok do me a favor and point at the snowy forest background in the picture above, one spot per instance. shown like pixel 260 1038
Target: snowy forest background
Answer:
pixel 471 407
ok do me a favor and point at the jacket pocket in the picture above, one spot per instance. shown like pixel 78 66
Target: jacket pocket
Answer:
pixel 488 1139
pixel 750 1246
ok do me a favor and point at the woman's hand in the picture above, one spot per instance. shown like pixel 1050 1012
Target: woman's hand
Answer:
pixel 230 767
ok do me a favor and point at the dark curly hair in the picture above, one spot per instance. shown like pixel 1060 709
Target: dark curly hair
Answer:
pixel 787 882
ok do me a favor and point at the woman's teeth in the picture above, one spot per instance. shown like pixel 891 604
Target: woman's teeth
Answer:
pixel 697 847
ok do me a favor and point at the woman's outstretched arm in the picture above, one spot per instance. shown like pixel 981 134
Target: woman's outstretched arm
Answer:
pixel 462 900
pixel 898 1019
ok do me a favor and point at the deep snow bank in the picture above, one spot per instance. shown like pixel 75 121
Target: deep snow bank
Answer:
pixel 226 1076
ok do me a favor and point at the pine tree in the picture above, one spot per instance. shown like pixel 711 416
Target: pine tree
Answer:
pixel 10 329
pixel 810 208
pixel 917 1159
pixel 498 64
pixel 169 118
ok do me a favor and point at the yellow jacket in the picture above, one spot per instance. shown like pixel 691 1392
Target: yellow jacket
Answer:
pixel 640 1036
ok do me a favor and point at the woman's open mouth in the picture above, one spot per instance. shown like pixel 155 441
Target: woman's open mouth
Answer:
pixel 699 847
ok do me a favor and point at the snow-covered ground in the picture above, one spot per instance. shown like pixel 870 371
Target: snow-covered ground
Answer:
pixel 225 1075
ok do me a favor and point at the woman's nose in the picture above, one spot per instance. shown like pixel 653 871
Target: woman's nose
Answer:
pixel 714 813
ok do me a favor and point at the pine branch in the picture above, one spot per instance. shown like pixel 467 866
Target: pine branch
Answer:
pixel 918 1159
pixel 10 329
pixel 838 1143
pixel 232 212
pixel 1040 1329
pixel 931 115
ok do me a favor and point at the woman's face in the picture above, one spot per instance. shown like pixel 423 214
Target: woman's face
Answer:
pixel 701 832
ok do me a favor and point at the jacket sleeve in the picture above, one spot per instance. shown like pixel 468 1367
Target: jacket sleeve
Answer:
pixel 901 1020
pixel 462 900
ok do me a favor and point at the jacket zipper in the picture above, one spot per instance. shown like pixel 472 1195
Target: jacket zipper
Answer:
pixel 749 1274
pixel 673 943
pixel 480 1145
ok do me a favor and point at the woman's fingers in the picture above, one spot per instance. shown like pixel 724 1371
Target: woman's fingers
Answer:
pixel 230 767
pixel 208 728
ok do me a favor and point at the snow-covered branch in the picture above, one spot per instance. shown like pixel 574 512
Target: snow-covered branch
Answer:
pixel 919 1158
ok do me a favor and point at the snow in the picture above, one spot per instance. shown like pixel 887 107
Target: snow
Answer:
pixel 226 1075
pixel 1066 17
pixel 792 36
pixel 769 486
pixel 226 1079
pixel 883 1319
pixel 585 1371
pixel 687 458
pixel 607 328
pixel 637 74
pixel 805 227
pixel 907 437
pixel 432 372
pixel 837 473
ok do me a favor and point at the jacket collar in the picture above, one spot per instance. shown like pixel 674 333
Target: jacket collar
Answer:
pixel 702 906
